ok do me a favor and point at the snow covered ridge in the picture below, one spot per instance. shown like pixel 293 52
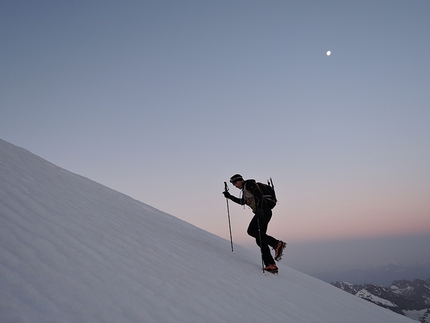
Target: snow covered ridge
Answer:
pixel 72 250
pixel 410 298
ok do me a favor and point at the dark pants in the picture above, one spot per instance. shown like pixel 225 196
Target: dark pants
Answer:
pixel 266 240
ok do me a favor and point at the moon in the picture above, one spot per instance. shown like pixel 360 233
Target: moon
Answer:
pixel 328 53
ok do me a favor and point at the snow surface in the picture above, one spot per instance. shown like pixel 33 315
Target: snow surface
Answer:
pixel 72 250
pixel 373 298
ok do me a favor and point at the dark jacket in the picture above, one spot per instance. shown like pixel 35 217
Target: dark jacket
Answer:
pixel 251 196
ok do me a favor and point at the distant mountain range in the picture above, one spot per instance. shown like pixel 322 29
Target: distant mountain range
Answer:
pixel 409 298
pixel 383 275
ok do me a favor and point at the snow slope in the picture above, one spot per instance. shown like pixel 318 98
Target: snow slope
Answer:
pixel 72 250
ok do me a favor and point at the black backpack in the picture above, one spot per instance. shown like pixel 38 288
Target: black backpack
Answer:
pixel 268 191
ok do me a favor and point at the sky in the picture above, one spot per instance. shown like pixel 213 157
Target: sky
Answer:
pixel 164 101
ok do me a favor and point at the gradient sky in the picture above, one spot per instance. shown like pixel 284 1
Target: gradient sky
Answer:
pixel 165 100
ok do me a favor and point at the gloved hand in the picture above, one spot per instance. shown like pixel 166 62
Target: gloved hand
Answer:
pixel 259 214
pixel 227 194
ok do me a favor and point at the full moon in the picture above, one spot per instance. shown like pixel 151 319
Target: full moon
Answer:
pixel 328 53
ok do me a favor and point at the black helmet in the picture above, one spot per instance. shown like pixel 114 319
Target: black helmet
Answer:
pixel 236 178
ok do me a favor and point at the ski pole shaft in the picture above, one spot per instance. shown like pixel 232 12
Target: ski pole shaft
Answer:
pixel 261 250
pixel 228 215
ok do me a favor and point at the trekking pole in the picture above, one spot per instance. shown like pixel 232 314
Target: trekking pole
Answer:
pixel 259 237
pixel 228 215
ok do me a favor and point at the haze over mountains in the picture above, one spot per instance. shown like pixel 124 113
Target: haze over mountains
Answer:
pixel 72 250
pixel 382 275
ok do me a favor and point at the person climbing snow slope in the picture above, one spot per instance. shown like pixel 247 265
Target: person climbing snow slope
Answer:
pixel 252 195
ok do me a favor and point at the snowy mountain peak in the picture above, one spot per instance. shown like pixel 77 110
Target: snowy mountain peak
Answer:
pixel 410 298
pixel 73 250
